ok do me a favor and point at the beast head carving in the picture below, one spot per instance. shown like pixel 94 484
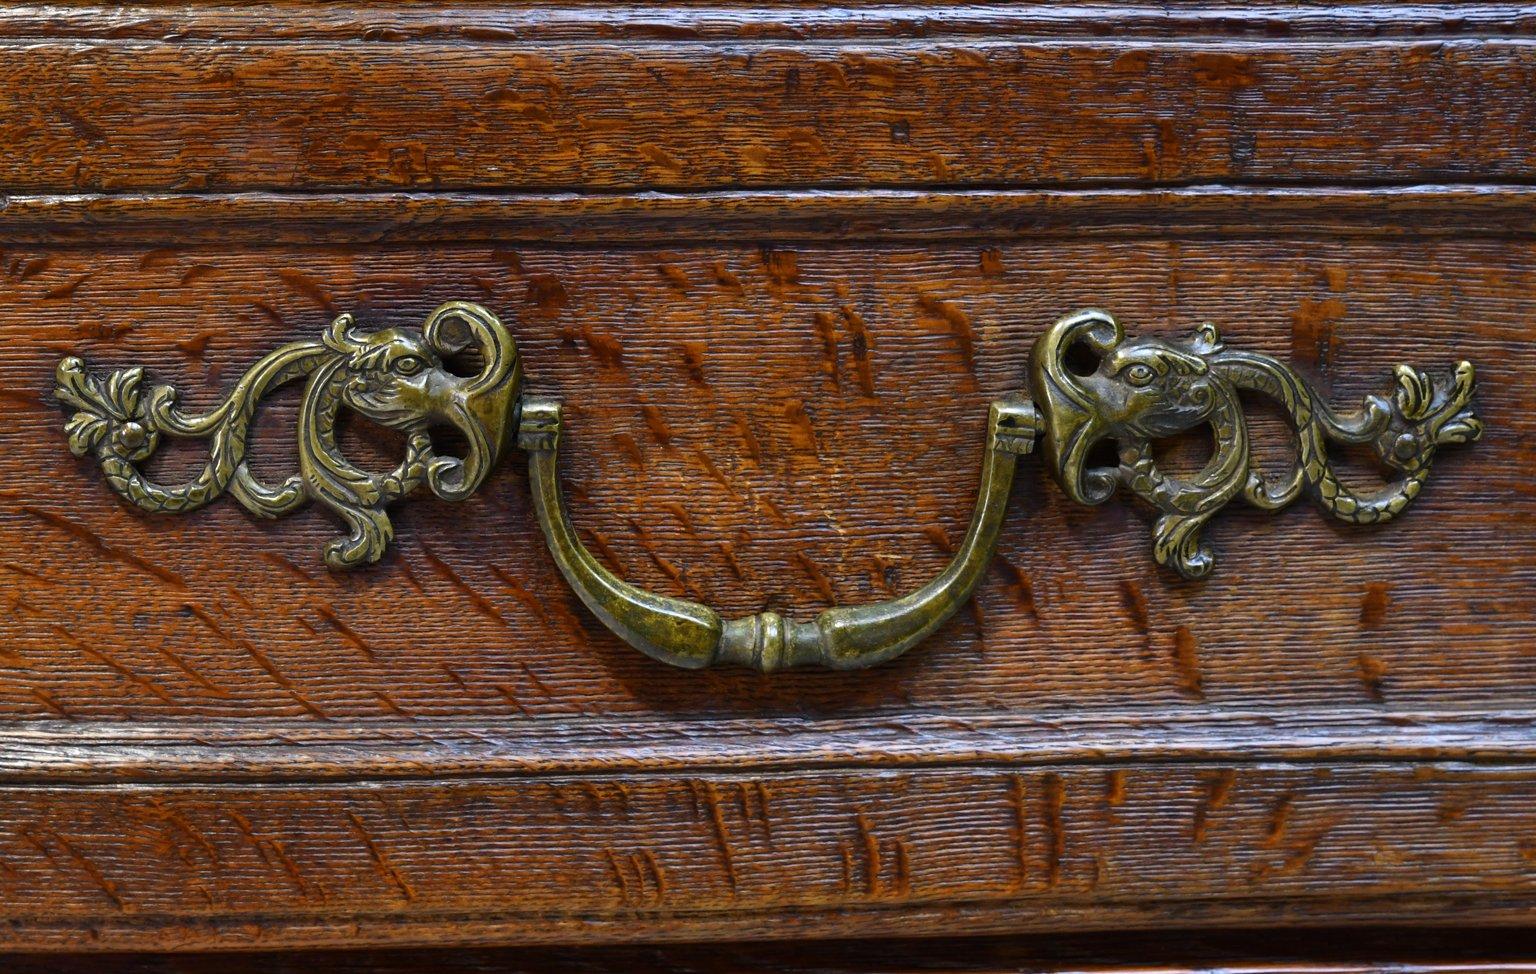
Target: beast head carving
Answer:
pixel 1094 385
pixel 397 378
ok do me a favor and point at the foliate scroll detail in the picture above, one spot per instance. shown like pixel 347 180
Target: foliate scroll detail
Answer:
pixel 395 377
pixel 1136 390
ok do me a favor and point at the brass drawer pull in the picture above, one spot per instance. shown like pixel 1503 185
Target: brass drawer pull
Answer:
pixel 1089 381
pixel 691 635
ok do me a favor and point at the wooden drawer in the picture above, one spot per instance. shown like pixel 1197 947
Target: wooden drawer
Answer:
pixel 776 262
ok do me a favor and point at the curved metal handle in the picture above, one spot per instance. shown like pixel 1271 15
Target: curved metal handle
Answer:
pixel 693 636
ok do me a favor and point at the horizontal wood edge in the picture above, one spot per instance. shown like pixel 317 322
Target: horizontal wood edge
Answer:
pixel 57 753
pixel 481 887
pixel 481 23
pixel 984 918
pixel 563 218
pixel 1322 951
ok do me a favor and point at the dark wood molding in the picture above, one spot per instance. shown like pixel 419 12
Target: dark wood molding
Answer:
pixel 485 23
pixel 229 751
pixel 779 215
pixel 1313 951
pixel 1412 914
pixel 766 856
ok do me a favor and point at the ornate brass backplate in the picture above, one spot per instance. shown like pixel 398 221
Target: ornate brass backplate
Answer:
pixel 1146 388
pixel 1132 391
pixel 394 376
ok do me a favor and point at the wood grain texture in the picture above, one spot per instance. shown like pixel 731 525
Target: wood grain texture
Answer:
pixel 703 854
pixel 128 115
pixel 105 752
pixel 766 428
pixel 776 261
pixel 1287 917
pixel 734 436
pixel 490 23
pixel 794 22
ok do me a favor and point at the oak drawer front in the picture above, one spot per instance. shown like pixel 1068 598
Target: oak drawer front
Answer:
pixel 776 382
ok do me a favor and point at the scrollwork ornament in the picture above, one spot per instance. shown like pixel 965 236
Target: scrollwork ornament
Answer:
pixel 1142 389
pixel 395 377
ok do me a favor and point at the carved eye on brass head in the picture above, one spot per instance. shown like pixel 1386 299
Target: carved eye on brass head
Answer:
pixel 409 365
pixel 1140 374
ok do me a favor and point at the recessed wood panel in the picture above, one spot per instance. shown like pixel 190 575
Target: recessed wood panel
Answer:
pixel 776 427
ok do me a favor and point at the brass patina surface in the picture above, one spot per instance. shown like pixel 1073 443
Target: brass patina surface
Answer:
pixel 1142 389
pixel 691 635
pixel 394 377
